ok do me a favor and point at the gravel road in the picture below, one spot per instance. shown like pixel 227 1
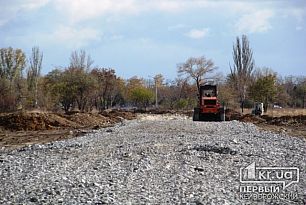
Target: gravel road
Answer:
pixel 155 160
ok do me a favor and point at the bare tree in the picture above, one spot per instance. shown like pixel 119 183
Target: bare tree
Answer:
pixel 173 92
pixel 33 73
pixel 79 60
pixel 79 69
pixel 196 68
pixel 242 69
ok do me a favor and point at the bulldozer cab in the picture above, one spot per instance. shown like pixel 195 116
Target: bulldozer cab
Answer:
pixel 208 91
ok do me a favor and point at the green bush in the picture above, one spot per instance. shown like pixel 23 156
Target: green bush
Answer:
pixel 141 96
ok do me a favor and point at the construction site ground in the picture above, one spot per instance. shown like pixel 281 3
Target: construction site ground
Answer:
pixel 25 128
pixel 287 121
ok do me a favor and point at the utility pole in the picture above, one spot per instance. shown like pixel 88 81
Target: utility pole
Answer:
pixel 155 84
pixel 156 104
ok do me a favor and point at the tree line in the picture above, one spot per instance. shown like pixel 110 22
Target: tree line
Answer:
pixel 84 87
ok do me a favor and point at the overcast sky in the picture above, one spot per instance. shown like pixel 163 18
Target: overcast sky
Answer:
pixel 146 37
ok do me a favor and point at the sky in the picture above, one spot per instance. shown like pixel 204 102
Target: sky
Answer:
pixel 146 37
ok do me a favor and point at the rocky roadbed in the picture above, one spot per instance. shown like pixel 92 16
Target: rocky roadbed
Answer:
pixel 163 159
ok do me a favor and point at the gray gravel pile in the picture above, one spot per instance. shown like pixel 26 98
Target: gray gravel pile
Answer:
pixel 152 160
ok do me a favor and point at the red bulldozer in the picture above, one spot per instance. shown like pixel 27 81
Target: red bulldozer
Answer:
pixel 209 107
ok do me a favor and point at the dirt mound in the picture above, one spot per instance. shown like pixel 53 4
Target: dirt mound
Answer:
pixel 232 115
pixel 87 120
pixel 286 120
pixel 279 121
pixel 251 118
pixel 34 121
pixel 29 121
pixel 160 111
pixel 118 115
pixel 294 120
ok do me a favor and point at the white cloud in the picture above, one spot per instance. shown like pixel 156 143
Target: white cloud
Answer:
pixel 298 13
pixel 63 36
pixel 198 33
pixel 32 4
pixel 168 6
pixel 79 10
pixel 256 22
pixel 75 37
pixel 82 10
pixel 176 27
pixel 10 9
pixel 116 37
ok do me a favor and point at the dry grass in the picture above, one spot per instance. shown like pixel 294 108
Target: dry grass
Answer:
pixel 279 112
pixel 285 120
pixel 286 112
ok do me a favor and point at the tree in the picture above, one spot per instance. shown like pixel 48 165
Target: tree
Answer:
pixel 118 92
pixel 73 86
pixel 169 94
pixel 181 104
pixel 62 87
pixel 12 63
pixel 131 83
pixel 84 86
pixel 50 84
pixel 226 95
pixel 79 60
pixel 300 90
pixel 6 99
pixel 141 96
pixel 242 68
pixel 107 87
pixel 264 90
pixel 66 88
pixel 33 73
pixel 282 97
pixel 196 68
pixel 290 84
pixel 79 78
